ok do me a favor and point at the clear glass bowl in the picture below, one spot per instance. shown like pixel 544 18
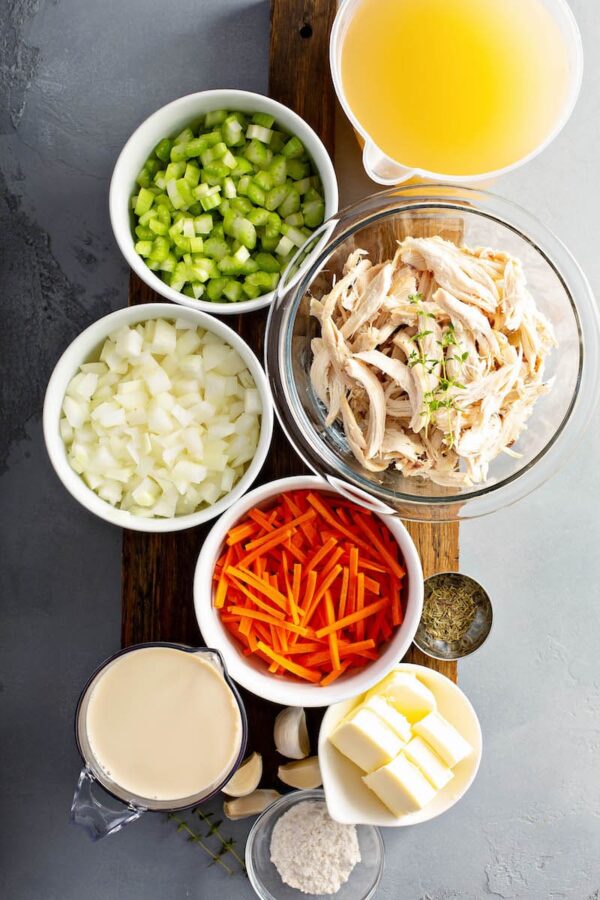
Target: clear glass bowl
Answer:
pixel 478 218
pixel 266 880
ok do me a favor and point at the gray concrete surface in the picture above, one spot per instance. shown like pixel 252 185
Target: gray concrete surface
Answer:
pixel 76 77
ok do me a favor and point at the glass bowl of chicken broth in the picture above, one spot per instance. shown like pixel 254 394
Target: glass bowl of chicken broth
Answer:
pixel 439 357
pixel 159 727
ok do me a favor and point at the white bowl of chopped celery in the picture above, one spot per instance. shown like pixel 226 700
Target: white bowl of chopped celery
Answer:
pixel 157 418
pixel 213 194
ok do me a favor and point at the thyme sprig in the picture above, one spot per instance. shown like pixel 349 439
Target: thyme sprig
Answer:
pixel 225 845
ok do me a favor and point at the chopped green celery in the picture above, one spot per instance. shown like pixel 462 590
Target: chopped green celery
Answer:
pixel 224 205
pixel 192 174
pixel 296 219
pixel 153 264
pixel 276 196
pixel 293 149
pixel 297 169
pixel 259 133
pixel 182 243
pixel 162 205
pixel 163 149
pixel 258 154
pixel 228 159
pixel 313 212
pixel 229 265
pixel 203 224
pixel 264 119
pixel 251 290
pixel 264 180
pixel 176 228
pixel 267 262
pixel 161 247
pixel 242 204
pixel 153 165
pixel 168 265
pixel 243 185
pixel 185 191
pixel 233 133
pixel 255 194
pixel 241 254
pixel 216 248
pixel 144 233
pixel 303 185
pixel 187 290
pixel 294 234
pixel 265 280
pixel 214 173
pixel 249 266
pixel 210 202
pixel 184 136
pixel 195 147
pixel 245 232
pixel 269 242
pixel 290 203
pixel 143 248
pixel 196 244
pixel 242 166
pixel 257 216
pixel 160 180
pixel 158 227
pixel 195 209
pixel 197 289
pixel 215 117
pixel 212 137
pixel 174 171
pixel 233 290
pixel 312 194
pixel 147 217
pixel 187 258
pixel 202 269
pixel 273 226
pixel 178 153
pixel 144 178
pixel 205 190
pixel 277 143
pixel 215 287
pixel 218 230
pixel 229 188
pixel 284 246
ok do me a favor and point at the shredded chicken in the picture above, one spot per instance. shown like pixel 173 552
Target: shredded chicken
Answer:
pixel 433 360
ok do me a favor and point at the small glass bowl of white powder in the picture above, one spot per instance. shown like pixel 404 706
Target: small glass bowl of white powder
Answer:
pixel 296 850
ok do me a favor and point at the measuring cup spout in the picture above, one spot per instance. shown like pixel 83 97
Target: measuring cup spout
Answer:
pixel 97 811
pixel 383 170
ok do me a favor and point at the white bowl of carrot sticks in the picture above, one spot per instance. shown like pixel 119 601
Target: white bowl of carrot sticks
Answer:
pixel 310 598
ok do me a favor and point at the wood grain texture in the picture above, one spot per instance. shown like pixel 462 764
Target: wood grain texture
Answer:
pixel 158 570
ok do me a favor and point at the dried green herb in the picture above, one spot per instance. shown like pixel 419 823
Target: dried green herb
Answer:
pixel 449 608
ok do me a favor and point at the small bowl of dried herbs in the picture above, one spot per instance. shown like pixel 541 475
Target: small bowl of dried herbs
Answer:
pixel 457 616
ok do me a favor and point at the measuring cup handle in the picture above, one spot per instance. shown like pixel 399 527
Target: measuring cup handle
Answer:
pixel 381 169
pixel 98 812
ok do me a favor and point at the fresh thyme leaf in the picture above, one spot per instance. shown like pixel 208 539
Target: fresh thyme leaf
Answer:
pixel 420 335
pixel 225 846
pixel 415 298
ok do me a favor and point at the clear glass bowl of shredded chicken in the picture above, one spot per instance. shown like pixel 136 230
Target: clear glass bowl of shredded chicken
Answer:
pixel 440 355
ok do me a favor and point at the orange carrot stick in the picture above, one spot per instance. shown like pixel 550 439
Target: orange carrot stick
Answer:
pixel 383 551
pixel 243 612
pixel 360 602
pixel 263 586
pixel 295 668
pixel 343 593
pixel 353 618
pixel 334 650
pixel 293 524
pixel 334 674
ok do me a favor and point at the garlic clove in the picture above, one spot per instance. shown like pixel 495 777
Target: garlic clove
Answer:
pixel 305 774
pixel 250 805
pixel 291 733
pixel 247 778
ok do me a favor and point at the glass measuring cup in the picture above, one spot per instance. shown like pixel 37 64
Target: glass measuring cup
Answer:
pixel 103 807
pixel 382 169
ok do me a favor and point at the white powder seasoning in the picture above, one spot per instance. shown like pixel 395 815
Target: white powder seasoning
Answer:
pixel 312 852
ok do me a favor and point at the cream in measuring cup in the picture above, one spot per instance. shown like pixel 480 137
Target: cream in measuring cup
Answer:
pixel 159 727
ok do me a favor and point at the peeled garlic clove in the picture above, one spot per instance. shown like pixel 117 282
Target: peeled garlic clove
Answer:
pixel 247 778
pixel 304 774
pixel 291 733
pixel 250 805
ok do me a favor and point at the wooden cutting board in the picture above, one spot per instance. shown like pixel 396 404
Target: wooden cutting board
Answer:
pixel 158 569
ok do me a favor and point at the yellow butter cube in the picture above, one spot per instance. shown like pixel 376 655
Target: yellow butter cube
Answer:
pixel 431 765
pixel 366 740
pixel 409 695
pixel 401 786
pixel 444 738
pixel 390 715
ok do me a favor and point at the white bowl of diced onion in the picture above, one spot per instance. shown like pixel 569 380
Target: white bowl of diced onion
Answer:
pixel 167 121
pixel 170 448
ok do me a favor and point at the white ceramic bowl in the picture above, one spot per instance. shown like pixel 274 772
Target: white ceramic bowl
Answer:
pixel 252 674
pixel 80 350
pixel 169 120
pixel 348 798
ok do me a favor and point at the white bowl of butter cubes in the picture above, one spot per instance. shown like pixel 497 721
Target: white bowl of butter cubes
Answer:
pixel 401 754
pixel 157 418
